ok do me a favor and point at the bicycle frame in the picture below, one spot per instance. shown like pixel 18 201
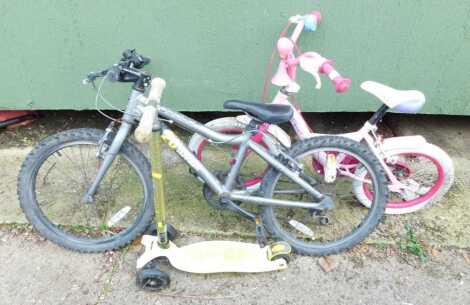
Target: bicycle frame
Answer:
pixel 225 190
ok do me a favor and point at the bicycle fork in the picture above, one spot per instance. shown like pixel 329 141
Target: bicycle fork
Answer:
pixel 108 159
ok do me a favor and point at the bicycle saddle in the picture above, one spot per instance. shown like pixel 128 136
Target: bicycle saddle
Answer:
pixel 272 114
pixel 410 101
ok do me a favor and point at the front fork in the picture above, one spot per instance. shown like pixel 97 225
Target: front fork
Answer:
pixel 374 144
pixel 157 175
pixel 108 159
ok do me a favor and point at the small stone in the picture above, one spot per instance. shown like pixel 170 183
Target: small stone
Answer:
pixel 328 263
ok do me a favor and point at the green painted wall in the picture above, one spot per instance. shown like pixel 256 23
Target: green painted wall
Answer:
pixel 212 50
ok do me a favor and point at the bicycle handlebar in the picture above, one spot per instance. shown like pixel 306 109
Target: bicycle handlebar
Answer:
pixel 311 62
pixel 124 71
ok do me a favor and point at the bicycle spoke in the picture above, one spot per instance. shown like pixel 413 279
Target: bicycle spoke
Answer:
pixel 60 193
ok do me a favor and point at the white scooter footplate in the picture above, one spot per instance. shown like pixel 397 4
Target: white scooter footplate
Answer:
pixel 212 256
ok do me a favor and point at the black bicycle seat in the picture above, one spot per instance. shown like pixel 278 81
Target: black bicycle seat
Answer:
pixel 272 114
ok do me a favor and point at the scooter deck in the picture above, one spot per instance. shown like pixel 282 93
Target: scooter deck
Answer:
pixel 212 256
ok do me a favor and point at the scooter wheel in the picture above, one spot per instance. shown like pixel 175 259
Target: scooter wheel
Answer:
pixel 278 250
pixel 171 231
pixel 152 279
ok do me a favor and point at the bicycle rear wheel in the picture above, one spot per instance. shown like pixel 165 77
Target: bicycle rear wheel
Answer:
pixel 55 176
pixel 314 232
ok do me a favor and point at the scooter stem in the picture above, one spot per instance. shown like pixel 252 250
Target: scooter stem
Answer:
pixel 158 174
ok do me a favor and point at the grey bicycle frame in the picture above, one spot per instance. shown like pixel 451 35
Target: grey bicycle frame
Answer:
pixel 223 190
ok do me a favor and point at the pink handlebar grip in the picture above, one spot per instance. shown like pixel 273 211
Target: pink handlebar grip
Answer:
pixel 341 84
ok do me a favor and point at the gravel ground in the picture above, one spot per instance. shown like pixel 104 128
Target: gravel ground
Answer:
pixel 35 271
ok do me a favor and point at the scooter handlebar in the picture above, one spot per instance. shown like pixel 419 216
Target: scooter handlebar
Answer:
pixel 143 132
pixel 156 89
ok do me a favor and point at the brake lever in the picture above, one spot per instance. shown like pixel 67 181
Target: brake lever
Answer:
pixel 317 78
pixel 89 80
pixel 92 76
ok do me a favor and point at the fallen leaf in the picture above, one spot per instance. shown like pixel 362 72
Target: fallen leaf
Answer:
pixel 328 263
pixel 434 252
pixel 466 257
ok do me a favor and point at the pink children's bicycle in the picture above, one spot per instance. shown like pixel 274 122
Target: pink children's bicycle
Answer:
pixel 419 173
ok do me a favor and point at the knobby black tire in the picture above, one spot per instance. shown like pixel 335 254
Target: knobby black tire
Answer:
pixel 363 230
pixel 39 221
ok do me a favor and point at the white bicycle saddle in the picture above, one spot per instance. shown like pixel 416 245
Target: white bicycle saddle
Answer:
pixel 409 101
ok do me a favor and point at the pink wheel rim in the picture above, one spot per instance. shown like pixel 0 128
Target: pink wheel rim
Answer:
pixel 406 204
pixel 248 182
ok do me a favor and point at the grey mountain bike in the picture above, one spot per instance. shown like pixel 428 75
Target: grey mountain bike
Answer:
pixel 91 190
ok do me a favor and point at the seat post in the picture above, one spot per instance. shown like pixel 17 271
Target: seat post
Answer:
pixel 379 114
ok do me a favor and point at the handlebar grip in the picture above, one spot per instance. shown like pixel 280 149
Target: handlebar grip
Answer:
pixel 341 84
pixel 145 60
pixel 311 21
pixel 156 89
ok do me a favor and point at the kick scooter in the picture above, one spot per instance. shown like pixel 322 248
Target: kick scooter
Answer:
pixel 201 257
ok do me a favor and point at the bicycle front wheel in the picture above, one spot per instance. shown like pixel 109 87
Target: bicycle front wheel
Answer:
pixel 55 176
pixel 331 162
